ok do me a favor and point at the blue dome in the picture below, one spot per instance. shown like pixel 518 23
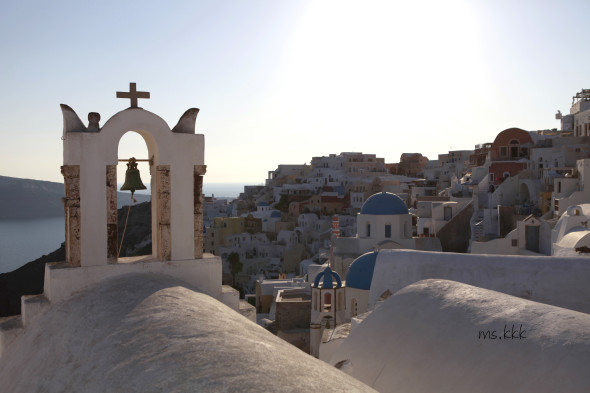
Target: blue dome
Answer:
pixel 360 272
pixel 276 214
pixel 384 203
pixel 262 204
pixel 327 274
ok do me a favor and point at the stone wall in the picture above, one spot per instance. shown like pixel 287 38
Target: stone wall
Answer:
pixel 164 237
pixel 112 230
pixel 199 171
pixel 72 212
pixel 293 315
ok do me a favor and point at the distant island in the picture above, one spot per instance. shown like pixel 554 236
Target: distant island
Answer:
pixel 27 198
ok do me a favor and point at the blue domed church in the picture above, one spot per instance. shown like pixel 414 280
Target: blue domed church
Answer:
pixel 384 222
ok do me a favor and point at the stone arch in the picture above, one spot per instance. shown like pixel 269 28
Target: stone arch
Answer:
pixel 153 131
pixel 152 149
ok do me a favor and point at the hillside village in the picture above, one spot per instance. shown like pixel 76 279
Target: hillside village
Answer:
pixel 501 197
pixel 323 225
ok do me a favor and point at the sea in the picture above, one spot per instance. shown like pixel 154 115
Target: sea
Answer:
pixel 23 241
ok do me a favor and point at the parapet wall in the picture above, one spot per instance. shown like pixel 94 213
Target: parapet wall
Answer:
pixel 558 281
pixel 61 281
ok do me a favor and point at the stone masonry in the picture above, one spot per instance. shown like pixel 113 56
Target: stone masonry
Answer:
pixel 71 201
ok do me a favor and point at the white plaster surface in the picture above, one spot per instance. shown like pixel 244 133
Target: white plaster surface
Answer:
pixel 230 297
pixel 425 338
pixel 204 274
pixel 152 333
pixel 559 281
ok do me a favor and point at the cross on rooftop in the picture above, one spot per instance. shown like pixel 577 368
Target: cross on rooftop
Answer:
pixel 133 94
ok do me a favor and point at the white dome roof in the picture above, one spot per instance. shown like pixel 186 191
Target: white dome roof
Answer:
pixel 151 333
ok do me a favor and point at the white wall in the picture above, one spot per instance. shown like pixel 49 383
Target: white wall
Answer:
pixel 362 302
pixel 204 274
pixel 500 246
pixel 558 281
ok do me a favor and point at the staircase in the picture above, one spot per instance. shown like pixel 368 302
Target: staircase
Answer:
pixel 11 327
pixel 477 225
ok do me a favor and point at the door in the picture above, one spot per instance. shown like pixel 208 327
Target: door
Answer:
pixel 532 238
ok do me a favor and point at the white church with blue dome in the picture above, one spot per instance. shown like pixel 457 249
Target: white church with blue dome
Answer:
pixel 384 222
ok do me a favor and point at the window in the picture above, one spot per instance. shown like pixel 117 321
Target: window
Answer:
pixel 448 212
pixel 368 229
pixel 353 308
pixel 514 242
pixel 491 177
pixel 388 230
pixel 327 301
pixel 514 149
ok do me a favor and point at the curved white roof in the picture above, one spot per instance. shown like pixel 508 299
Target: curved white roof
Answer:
pixel 426 338
pixel 575 238
pixel 150 333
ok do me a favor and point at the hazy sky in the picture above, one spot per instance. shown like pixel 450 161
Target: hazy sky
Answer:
pixel 281 81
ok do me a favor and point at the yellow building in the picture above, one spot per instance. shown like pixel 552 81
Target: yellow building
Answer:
pixel 222 227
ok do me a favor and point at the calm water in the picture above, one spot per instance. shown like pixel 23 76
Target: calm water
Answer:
pixel 22 241
pixel 225 190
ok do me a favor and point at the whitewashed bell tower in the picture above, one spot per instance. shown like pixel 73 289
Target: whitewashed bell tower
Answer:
pixel 327 307
pixel 90 159
pixel 90 163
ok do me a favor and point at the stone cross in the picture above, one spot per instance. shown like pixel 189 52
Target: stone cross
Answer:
pixel 133 94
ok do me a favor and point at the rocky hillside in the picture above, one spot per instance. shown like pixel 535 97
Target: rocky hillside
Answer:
pixel 26 198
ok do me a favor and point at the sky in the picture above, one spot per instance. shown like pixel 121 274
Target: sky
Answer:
pixel 282 81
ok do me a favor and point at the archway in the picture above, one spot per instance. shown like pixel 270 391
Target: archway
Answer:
pixel 327 301
pixel 514 149
pixel 524 194
pixel 138 240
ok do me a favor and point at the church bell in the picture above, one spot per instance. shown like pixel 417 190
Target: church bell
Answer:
pixel 132 179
